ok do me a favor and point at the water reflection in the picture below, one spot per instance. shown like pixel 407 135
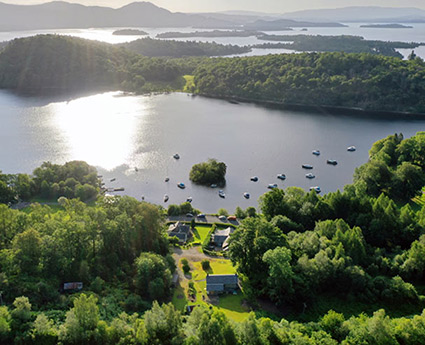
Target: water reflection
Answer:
pixel 101 129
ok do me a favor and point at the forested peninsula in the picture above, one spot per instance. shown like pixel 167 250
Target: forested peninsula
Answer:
pixel 50 63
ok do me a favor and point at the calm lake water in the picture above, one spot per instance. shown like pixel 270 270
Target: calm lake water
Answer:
pixel 415 34
pixel 118 133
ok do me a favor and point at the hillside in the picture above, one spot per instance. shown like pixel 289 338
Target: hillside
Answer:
pixel 59 14
pixel 50 62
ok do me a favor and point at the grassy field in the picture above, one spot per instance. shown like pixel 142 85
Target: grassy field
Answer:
pixel 200 232
pixel 230 305
pixel 189 83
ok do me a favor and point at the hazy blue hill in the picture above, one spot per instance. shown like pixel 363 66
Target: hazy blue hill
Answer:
pixel 281 24
pixel 360 14
pixel 59 14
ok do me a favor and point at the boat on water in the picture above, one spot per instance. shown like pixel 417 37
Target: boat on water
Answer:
pixel 246 195
pixel 272 186
pixel 121 189
pixel 112 179
pixel 221 194
pixel 176 156
pixel 181 185
pixel 254 178
pixel 316 152
pixel 351 148
pixel 332 162
pixel 213 185
pixel 189 199
pixel 166 198
pixel 307 166
pixel 281 177
pixel 310 175
pixel 136 169
pixel 167 179
pixel 316 189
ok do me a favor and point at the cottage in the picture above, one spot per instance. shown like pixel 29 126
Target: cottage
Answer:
pixel 222 283
pixel 181 231
pixel 221 236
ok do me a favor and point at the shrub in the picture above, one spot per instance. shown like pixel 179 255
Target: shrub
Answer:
pixel 205 265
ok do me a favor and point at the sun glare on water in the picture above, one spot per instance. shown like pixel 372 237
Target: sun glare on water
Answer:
pixel 100 129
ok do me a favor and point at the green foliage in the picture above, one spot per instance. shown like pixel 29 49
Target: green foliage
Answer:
pixel 205 265
pixel 370 82
pixel 343 43
pixel 207 173
pixel 154 48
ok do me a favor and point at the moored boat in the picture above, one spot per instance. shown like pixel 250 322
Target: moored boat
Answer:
pixel 310 175
pixel 332 162
pixel 246 195
pixel 176 156
pixel 307 166
pixel 221 194
pixel 272 186
pixel 166 198
pixel 316 189
pixel 316 152
pixel 254 178
pixel 281 177
pixel 181 185
pixel 351 148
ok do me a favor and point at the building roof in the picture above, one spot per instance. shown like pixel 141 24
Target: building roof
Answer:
pixel 213 279
pixel 224 232
pixel 215 287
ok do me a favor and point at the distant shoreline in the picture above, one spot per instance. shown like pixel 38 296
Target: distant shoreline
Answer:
pixel 323 109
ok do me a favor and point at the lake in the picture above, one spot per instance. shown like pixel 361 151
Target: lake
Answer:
pixel 118 133
pixel 415 34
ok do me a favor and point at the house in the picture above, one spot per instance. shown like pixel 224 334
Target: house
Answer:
pixel 221 236
pixel 222 283
pixel 181 231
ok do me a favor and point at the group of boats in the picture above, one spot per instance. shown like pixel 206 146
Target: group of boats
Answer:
pixel 281 177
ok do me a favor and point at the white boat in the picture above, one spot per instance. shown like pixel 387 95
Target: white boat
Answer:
pixel 281 177
pixel 189 199
pixel 272 186
pixel 221 194
pixel 307 166
pixel 332 162
pixel 166 198
pixel 310 175
pixel 246 195
pixel 181 185
pixel 351 148
pixel 254 178
pixel 316 189
pixel 176 156
pixel 316 152
pixel 213 185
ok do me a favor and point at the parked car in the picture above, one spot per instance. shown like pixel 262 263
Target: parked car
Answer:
pixel 189 215
pixel 232 218
pixel 201 215
pixel 222 218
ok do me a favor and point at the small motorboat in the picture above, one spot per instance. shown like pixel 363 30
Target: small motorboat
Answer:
pixel 167 179
pixel 332 162
pixel 221 194
pixel 166 198
pixel 316 189
pixel 176 156
pixel 181 185
pixel 112 179
pixel 246 195
pixel 136 169
pixel 351 148
pixel 316 152
pixel 254 179
pixel 281 177
pixel 307 166
pixel 272 186
pixel 189 199
pixel 310 175
pixel 213 185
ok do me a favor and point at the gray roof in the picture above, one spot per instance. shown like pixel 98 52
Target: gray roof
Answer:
pixel 225 232
pixel 215 287
pixel 214 279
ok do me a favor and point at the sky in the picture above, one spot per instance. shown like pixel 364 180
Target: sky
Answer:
pixel 271 6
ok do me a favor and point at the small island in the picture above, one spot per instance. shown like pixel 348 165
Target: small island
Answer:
pixel 207 173
pixel 129 32
pixel 214 33
pixel 386 26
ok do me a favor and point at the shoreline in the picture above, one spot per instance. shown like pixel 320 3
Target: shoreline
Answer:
pixel 322 109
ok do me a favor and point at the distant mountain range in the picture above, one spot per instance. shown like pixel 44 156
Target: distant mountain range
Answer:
pixel 57 15
pixel 60 15
pixel 357 14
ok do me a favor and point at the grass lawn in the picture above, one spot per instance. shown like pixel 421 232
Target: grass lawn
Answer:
pixel 230 305
pixel 200 232
pixel 189 83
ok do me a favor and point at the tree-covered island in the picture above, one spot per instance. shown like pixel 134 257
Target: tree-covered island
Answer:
pixel 209 172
